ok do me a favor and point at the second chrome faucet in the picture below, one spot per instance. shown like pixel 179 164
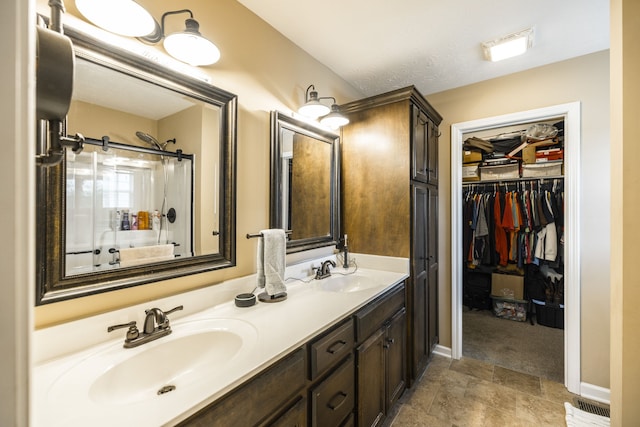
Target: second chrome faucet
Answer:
pixel 156 325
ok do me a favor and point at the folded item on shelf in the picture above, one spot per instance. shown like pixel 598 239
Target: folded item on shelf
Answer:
pixel 479 143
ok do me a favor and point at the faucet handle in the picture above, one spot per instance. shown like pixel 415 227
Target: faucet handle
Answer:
pixel 132 333
pixel 174 309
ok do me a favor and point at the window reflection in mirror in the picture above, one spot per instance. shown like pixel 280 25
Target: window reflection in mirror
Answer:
pixel 160 151
pixel 305 182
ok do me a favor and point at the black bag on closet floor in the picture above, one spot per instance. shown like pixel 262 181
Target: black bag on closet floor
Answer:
pixel 534 283
pixel 476 291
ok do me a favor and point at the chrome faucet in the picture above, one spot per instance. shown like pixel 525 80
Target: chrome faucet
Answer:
pixel 156 325
pixel 323 271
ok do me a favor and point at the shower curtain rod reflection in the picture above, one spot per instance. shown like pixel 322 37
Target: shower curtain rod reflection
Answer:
pixel 106 143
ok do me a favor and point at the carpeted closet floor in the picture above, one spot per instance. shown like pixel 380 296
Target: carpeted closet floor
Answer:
pixel 531 349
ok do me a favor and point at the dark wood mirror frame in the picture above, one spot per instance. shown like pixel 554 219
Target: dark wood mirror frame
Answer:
pixel 280 122
pixel 52 284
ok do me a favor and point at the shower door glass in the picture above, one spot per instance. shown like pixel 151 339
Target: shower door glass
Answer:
pixel 127 206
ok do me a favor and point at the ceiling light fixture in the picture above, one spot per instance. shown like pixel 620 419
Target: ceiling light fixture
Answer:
pixel 124 17
pixel 508 46
pixel 313 109
pixel 187 46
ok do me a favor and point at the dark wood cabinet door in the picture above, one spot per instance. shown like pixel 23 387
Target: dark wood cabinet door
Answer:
pixel 370 362
pixel 419 280
pixel 295 416
pixel 395 345
pixel 419 145
pixel 432 261
pixel 432 152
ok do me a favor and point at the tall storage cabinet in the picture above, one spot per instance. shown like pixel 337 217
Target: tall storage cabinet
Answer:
pixel 389 199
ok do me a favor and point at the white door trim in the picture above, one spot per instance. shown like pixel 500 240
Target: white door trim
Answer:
pixel 571 114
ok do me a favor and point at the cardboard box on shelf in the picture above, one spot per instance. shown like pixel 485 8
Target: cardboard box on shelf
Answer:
pixel 529 152
pixel 507 286
pixel 471 172
pixel 549 155
pixel 471 156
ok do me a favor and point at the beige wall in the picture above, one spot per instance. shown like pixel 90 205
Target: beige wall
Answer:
pixel 584 79
pixel 625 196
pixel 267 72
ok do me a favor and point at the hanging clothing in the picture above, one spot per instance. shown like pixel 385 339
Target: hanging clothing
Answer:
pixel 520 226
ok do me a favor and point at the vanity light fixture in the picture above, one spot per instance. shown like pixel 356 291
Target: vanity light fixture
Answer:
pixel 187 46
pixel 334 119
pixel 508 46
pixel 124 17
pixel 128 18
pixel 313 109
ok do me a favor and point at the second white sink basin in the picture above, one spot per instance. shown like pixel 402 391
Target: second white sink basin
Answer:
pixel 192 352
pixel 360 280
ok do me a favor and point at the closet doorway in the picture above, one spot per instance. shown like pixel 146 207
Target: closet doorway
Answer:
pixel 570 114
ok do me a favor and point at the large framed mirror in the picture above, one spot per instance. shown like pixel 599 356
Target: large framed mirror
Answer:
pixel 151 196
pixel 305 183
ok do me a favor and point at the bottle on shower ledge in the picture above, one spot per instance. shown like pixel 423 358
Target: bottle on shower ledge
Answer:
pixel 118 222
pixel 134 221
pixel 155 223
pixel 126 225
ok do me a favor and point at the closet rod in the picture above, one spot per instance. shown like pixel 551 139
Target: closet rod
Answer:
pixel 540 179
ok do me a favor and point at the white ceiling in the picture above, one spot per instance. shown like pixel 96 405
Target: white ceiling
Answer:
pixel 381 45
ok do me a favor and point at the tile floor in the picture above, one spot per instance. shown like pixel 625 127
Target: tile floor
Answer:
pixel 468 392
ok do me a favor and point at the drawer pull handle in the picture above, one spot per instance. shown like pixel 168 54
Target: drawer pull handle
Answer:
pixel 342 396
pixel 336 346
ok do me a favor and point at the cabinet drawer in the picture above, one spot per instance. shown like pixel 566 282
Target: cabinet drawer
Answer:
pixel 334 398
pixel 371 318
pixel 330 349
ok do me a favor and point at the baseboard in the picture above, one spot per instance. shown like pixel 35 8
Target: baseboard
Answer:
pixel 442 351
pixel 594 392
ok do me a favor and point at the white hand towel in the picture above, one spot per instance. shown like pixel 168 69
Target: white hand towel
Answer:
pixel 271 261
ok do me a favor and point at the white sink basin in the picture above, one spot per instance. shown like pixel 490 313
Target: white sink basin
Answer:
pixel 193 352
pixel 354 282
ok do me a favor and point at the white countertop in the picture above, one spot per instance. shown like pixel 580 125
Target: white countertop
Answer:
pixel 279 328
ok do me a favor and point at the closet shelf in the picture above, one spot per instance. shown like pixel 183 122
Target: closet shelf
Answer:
pixel 501 181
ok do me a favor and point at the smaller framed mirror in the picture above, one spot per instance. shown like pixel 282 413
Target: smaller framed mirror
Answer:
pixel 305 183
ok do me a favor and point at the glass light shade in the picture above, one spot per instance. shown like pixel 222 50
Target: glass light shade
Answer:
pixel 334 119
pixel 313 109
pixel 124 17
pixel 191 48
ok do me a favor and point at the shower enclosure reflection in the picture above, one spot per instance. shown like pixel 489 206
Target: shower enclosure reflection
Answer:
pixel 127 206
